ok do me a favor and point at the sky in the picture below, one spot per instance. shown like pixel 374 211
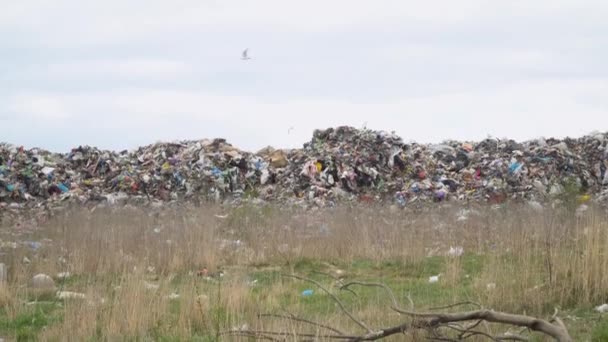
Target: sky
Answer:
pixel 120 74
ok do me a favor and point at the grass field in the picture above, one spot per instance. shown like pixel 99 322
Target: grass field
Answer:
pixel 139 270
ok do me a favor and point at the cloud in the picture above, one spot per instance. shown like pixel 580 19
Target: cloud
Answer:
pixel 522 111
pixel 38 107
pixel 129 67
pixel 122 73
pixel 54 22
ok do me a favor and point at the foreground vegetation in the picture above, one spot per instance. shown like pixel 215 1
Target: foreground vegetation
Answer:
pixel 142 272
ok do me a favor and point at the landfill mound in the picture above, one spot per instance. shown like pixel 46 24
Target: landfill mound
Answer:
pixel 342 164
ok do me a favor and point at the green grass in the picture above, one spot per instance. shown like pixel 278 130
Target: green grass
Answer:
pixel 600 331
pixel 26 325
pixel 406 279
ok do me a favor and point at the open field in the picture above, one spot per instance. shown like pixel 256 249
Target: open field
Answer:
pixel 139 270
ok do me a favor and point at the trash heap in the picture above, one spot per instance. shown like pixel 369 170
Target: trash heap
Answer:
pixel 342 164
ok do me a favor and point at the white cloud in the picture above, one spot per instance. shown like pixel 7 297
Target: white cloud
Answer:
pixel 38 107
pixel 131 67
pixel 70 22
pixel 521 111
pixel 148 70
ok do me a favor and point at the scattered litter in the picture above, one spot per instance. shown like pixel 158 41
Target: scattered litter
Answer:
pixel 434 279
pixel 242 327
pixel 581 210
pixel 173 296
pixel 602 308
pixel 35 245
pixel 342 164
pixel 490 286
pixel 63 275
pixel 307 293
pixel 70 295
pixel 455 251
pixel 338 273
pixel 150 286
pixel 3 273
pixel 202 272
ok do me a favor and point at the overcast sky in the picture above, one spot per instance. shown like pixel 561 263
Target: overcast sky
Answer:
pixel 118 74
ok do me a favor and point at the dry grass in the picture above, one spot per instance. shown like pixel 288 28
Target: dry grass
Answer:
pixel 516 259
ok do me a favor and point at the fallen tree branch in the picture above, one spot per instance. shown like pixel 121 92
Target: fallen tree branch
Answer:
pixel 558 331
pixel 432 322
pixel 333 296
pixel 455 305
pixel 298 319
pixel 384 286
pixel 285 333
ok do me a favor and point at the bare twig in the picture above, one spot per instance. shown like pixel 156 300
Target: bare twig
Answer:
pixel 512 337
pixel 326 274
pixel 384 286
pixel 433 322
pixel 409 298
pixel 466 333
pixel 298 319
pixel 249 334
pixel 284 333
pixel 455 305
pixel 333 296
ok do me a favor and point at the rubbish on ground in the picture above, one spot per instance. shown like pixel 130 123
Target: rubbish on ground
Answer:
pixel 307 293
pixel 602 308
pixel 3 273
pixel 63 275
pixel 341 164
pixel 151 286
pixel 456 251
pixel 70 295
pixel 434 279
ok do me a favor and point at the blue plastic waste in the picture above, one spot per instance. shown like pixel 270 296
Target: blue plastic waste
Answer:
pixel 307 293
pixel 34 244
pixel 62 187
pixel 515 167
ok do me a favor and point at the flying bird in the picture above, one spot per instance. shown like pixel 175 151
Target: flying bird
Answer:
pixel 244 56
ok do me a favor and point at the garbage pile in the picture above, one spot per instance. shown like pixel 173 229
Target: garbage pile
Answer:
pixel 342 164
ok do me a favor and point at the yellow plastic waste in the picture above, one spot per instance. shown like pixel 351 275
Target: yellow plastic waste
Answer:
pixel 584 198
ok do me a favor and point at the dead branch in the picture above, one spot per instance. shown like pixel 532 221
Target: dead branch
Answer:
pixel 384 286
pixel 433 322
pixel 455 305
pixel 556 331
pixel 333 296
pixel 298 319
pixel 255 333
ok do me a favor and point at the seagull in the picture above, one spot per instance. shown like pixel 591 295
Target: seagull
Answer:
pixel 244 56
